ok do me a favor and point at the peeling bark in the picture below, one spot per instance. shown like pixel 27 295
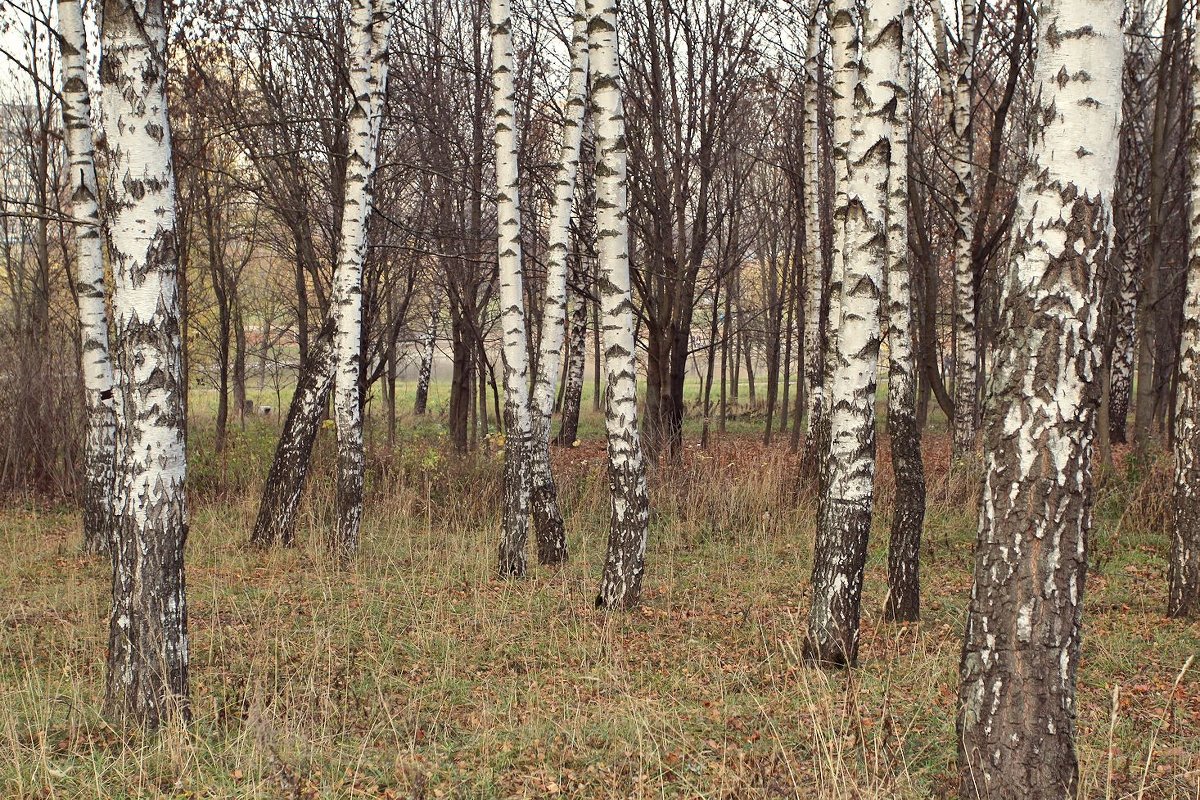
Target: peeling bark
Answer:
pixel 621 584
pixel 147 681
pixel 814 267
pixel 1016 719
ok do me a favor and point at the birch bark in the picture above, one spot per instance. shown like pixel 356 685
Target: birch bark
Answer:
pixel 904 550
pixel 1131 207
pixel 958 85
pixel 425 371
pixel 1183 578
pixel 518 423
pixel 97 371
pixel 371 24
pixel 552 542
pixel 1017 700
pixel 621 584
pixel 814 266
pixel 869 67
pixel 147 680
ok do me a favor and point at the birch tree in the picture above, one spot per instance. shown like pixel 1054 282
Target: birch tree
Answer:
pixel 904 550
pixel 814 263
pixel 1016 718
pixel 1183 579
pixel 552 542
pixel 621 584
pixel 958 84
pixel 517 418
pixel 147 680
pixel 97 371
pixel 425 368
pixel 1130 208
pixel 371 24
pixel 867 70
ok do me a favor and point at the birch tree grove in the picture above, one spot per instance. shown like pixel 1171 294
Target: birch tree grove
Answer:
pixel 100 446
pixel 518 424
pixel 371 23
pixel 621 584
pixel 872 69
pixel 148 643
pixel 552 543
pixel 1017 701
pixel 1183 577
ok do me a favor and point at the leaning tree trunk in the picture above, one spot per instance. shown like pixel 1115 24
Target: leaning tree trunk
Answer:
pixel 148 645
pixel 518 425
pixel 816 440
pixel 844 521
pixel 568 430
pixel 621 584
pixel 552 540
pixel 276 521
pixel 1016 718
pixel 904 550
pixel 1183 583
pixel 425 371
pixel 371 24
pixel 97 371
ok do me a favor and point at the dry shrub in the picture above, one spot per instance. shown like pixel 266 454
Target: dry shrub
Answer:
pixel 42 418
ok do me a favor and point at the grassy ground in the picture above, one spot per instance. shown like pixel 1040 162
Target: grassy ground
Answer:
pixel 420 675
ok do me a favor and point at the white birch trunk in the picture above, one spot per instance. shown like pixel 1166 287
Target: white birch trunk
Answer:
pixel 552 542
pixel 148 647
pixel 814 264
pixel 1017 700
pixel 97 371
pixel 425 370
pixel 518 423
pixel 1130 214
pixel 958 89
pixel 371 24
pixel 845 515
pixel 1183 580
pixel 621 584
pixel 904 549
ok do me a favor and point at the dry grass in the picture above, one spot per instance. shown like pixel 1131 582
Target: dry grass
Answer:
pixel 421 675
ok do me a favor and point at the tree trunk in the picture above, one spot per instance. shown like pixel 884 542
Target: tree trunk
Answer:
pixel 276 520
pixel 425 371
pixel 814 266
pixel 1183 582
pixel 568 431
pixel 1017 713
pixel 147 680
pixel 621 584
pixel 96 367
pixel 844 520
pixel 371 24
pixel 904 549
pixel 518 425
pixel 552 541
pixel 966 369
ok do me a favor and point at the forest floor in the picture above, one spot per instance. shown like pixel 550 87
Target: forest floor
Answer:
pixel 419 674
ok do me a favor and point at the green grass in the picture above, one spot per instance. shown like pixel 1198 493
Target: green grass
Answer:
pixel 418 674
